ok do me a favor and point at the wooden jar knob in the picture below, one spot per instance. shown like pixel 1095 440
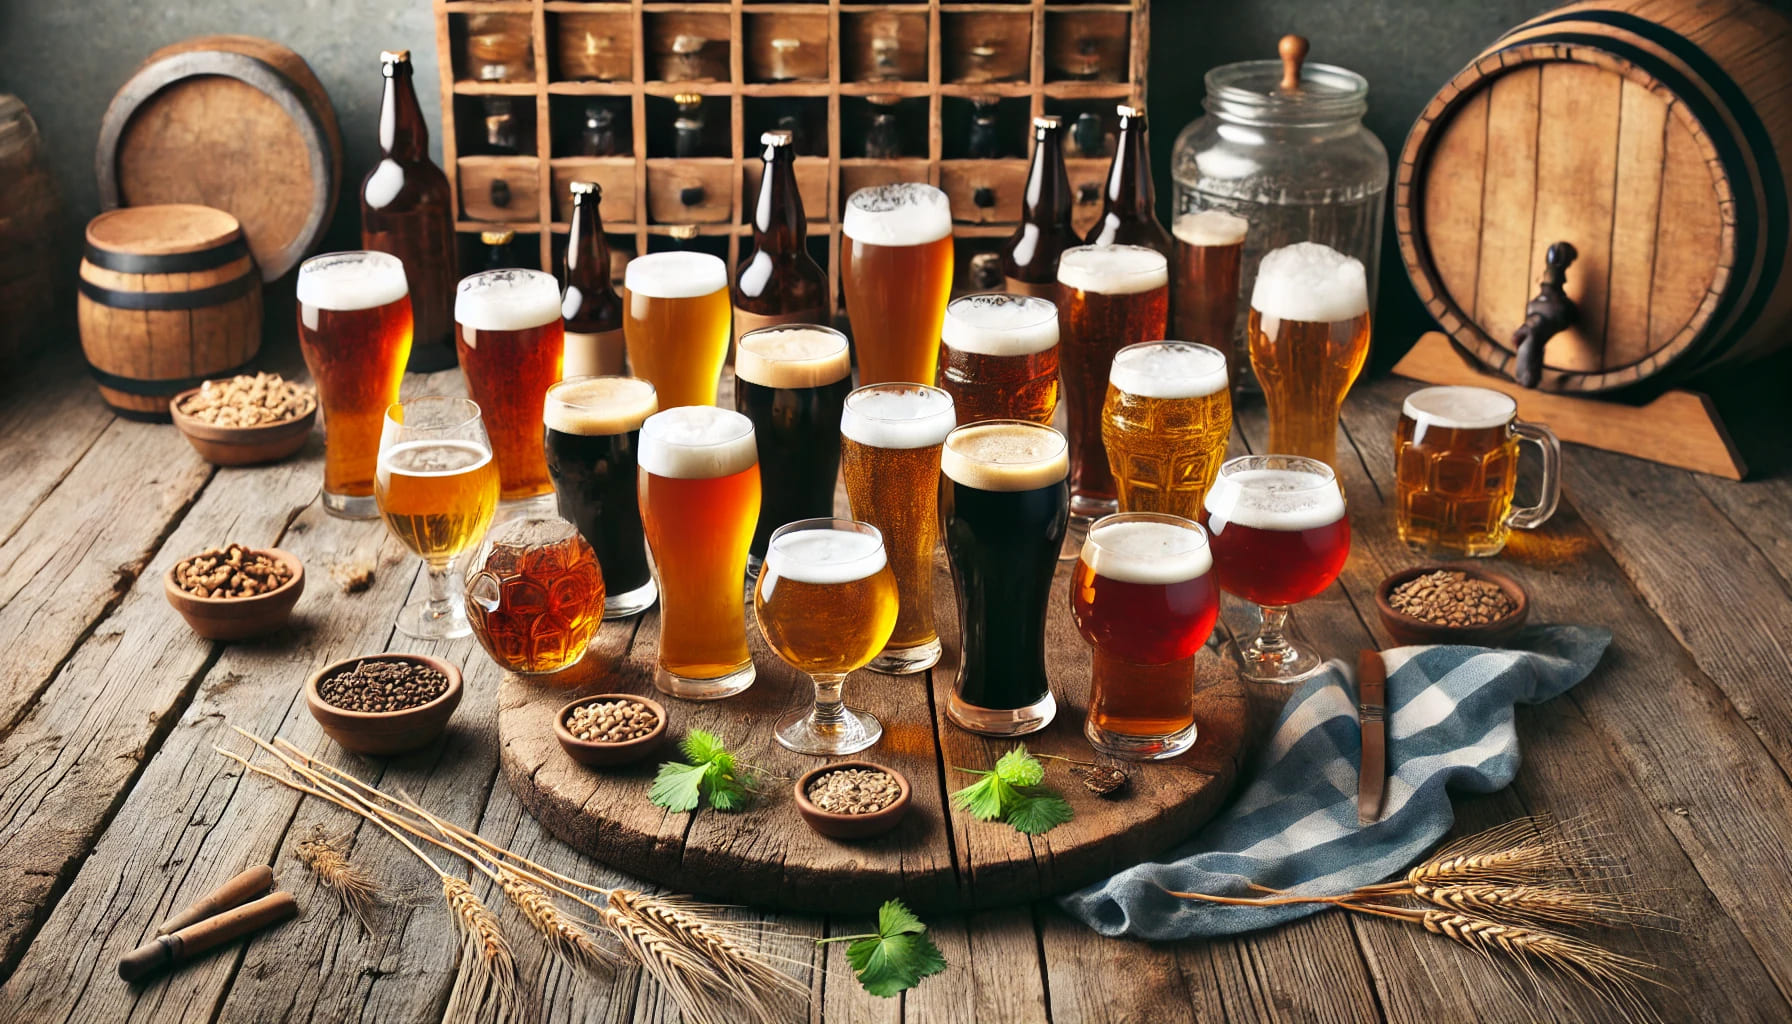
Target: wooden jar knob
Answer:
pixel 1294 53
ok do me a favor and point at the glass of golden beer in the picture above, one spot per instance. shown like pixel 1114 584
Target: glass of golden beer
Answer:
pixel 1456 470
pixel 891 436
pixel 826 602
pixel 508 330
pixel 999 357
pixel 355 331
pixel 437 488
pixel 699 503
pixel 896 265
pixel 1204 295
pixel 1165 423
pixel 676 323
pixel 1309 338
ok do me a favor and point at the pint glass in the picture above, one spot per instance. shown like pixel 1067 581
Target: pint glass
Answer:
pixel 896 271
pixel 677 324
pixel 999 357
pixel 1165 424
pixel 1204 295
pixel 792 382
pixel 511 339
pixel 1456 468
pixel 1309 337
pixel 592 437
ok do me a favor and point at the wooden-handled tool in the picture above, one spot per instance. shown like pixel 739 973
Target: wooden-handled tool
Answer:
pixel 1372 711
pixel 1293 51
pixel 239 890
pixel 168 950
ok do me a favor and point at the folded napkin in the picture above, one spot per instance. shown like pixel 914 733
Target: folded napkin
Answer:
pixel 1294 826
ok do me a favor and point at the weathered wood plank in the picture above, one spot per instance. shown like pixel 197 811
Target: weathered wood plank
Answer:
pixel 50 417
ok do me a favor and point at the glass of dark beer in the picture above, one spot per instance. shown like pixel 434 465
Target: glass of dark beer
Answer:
pixel 592 442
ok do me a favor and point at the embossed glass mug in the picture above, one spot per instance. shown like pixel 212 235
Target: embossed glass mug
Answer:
pixel 1456 470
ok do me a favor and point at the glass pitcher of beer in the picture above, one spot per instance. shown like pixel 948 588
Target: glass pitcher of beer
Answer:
pixel 1456 470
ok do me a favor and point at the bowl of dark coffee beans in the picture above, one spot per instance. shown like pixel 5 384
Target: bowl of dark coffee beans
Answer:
pixel 384 703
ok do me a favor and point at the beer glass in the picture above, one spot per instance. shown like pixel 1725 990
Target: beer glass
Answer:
pixel 1108 297
pixel 535 594
pixel 355 331
pixel 999 357
pixel 1143 597
pixel 676 324
pixel 896 271
pixel 792 382
pixel 1309 337
pixel 592 438
pixel 511 339
pixel 437 488
pixel 1279 536
pixel 826 602
pixel 1165 424
pixel 1004 507
pixel 1204 296
pixel 1456 468
pixel 890 456
pixel 699 501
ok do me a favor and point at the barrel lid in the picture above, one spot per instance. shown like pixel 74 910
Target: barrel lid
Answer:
pixel 162 229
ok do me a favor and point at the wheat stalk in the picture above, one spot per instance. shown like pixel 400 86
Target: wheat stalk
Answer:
pixel 1551 903
pixel 485 950
pixel 757 983
pixel 698 992
pixel 355 889
pixel 566 939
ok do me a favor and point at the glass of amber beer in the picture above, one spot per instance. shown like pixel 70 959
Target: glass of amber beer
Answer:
pixel 355 331
pixel 437 489
pixel 1165 424
pixel 1144 598
pixel 999 357
pixel 676 324
pixel 535 594
pixel 699 502
pixel 1279 536
pixel 1204 296
pixel 1309 337
pixel 592 435
pixel 1456 469
pixel 510 337
pixel 896 267
pixel 826 602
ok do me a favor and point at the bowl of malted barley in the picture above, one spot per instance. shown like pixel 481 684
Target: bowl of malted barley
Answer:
pixel 852 799
pixel 1451 604
pixel 384 703
pixel 235 592
pixel 610 728
pixel 246 419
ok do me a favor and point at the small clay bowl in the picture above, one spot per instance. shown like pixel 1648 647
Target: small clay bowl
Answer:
pixel 851 826
pixel 602 755
pixel 384 732
pixel 238 618
pixel 242 446
pixel 1407 629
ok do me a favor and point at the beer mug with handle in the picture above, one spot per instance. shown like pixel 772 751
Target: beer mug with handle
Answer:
pixel 1456 471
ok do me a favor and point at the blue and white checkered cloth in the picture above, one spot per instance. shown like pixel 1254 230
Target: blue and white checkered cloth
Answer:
pixel 1450 726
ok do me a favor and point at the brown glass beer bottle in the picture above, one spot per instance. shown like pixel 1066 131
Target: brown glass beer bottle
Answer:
pixel 1129 204
pixel 1030 256
pixel 590 306
pixel 778 282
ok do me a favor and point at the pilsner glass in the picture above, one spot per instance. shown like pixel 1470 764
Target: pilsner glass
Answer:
pixel 1309 338
pixel 535 594
pixel 1456 468
pixel 890 455
pixel 699 501
pixel 592 437
pixel 437 488
pixel 1165 424
pixel 999 357
pixel 1204 295
pixel 1004 507
pixel 355 331
pixel 511 340
pixel 1279 536
pixel 896 272
pixel 826 602
pixel 676 324
pixel 1143 597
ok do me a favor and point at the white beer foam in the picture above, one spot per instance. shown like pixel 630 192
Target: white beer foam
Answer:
pixel 599 406
pixel 675 275
pixel 507 300
pixel 1310 282
pixel 433 458
pixel 1210 227
pixel 345 281
pixel 697 442
pixel 1168 369
pixel 1274 499
pixel 997 324
pixel 1459 408
pixel 824 557
pixel 793 356
pixel 1147 552
pixel 898 416
pixel 1113 269
pixel 908 213
pixel 1005 455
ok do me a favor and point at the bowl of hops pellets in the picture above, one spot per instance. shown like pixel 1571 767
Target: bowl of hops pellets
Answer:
pixel 246 419
pixel 1446 604
pixel 384 703
pixel 235 592
pixel 852 799
pixel 610 728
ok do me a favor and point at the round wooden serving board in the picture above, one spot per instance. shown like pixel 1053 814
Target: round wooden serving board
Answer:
pixel 938 858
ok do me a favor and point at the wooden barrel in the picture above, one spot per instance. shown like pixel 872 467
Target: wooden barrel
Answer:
pixel 28 227
pixel 232 122
pixel 170 298
pixel 1655 136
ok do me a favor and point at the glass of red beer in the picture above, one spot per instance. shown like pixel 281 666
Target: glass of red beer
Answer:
pixel 1279 536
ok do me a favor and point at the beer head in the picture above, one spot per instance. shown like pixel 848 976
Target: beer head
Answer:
pixel 1459 408
pixel 1274 492
pixel 343 281
pixel 823 556
pixel 898 416
pixel 1311 283
pixel 1147 548
pixel 1005 455
pixel 505 300
pixel 792 356
pixel 908 213
pixel 998 324
pixel 1113 269
pixel 1206 228
pixel 1168 369
pixel 697 442
pixel 675 275
pixel 599 406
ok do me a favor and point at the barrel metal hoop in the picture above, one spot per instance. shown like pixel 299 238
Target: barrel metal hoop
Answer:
pixel 161 386
pixel 199 299
pixel 167 263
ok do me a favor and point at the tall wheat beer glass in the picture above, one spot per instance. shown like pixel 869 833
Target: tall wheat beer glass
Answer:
pixel 896 261
pixel 792 382
pixel 592 434
pixel 1456 469
pixel 999 357
pixel 511 340
pixel 1309 338
pixel 1165 423
pixel 677 324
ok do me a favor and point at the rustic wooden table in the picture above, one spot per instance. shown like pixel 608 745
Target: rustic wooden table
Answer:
pixel 114 810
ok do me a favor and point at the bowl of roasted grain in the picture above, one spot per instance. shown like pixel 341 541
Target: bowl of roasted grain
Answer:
pixel 610 728
pixel 235 592
pixel 246 419
pixel 852 799
pixel 384 703
pixel 1452 604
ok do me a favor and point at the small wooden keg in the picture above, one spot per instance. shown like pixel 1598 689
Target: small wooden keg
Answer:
pixel 1653 136
pixel 170 297
pixel 28 229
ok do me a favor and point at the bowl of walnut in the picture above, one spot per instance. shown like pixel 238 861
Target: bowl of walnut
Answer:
pixel 246 419
pixel 234 592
